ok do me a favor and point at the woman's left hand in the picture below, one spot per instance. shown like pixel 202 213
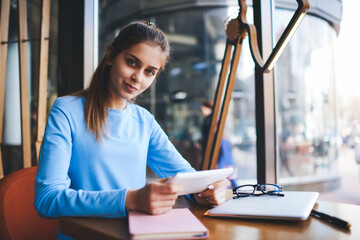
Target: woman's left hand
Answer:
pixel 214 195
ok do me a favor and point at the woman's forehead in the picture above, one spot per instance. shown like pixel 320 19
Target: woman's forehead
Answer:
pixel 148 54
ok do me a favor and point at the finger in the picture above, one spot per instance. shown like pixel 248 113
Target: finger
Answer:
pixel 162 180
pixel 170 188
pixel 213 192
pixel 164 197
pixel 216 195
pixel 220 184
pixel 216 201
pixel 159 211
pixel 210 200
pixel 159 186
pixel 209 191
pixel 163 204
pixel 157 193
pixel 217 198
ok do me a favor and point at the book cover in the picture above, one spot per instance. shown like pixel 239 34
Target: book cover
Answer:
pixel 178 223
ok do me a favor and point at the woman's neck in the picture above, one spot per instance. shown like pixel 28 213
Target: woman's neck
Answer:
pixel 118 105
pixel 116 102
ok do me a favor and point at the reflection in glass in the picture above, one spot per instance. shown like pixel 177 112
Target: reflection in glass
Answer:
pixel 197 39
pixel 306 120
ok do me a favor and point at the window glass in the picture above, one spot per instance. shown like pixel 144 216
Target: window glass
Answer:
pixel 11 138
pixel 198 41
pixel 306 120
pixel 197 54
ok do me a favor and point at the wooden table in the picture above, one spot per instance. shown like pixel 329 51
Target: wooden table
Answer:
pixel 226 228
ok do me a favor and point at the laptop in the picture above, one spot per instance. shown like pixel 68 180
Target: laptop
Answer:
pixel 295 205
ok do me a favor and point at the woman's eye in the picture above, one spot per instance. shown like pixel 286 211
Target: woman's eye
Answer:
pixel 150 72
pixel 131 62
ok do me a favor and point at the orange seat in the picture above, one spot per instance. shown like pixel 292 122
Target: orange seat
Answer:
pixel 18 217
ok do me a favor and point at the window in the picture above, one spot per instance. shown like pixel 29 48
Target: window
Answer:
pixel 306 119
pixel 304 84
pixel 198 40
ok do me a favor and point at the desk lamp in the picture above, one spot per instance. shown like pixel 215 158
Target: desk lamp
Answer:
pixel 236 31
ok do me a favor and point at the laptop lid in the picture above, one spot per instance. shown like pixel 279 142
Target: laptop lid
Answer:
pixel 294 205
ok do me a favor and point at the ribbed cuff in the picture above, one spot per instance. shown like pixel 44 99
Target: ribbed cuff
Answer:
pixel 122 209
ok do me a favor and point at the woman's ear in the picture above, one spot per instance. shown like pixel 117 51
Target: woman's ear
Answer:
pixel 109 58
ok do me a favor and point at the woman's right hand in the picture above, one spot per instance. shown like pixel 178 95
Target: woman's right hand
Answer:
pixel 155 198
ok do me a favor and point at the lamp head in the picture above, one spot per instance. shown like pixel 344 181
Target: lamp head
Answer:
pixel 303 6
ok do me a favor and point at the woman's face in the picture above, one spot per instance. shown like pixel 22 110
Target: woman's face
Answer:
pixel 132 72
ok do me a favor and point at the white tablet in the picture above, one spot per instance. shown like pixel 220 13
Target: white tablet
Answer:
pixel 194 182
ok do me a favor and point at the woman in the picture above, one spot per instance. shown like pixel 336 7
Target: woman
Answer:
pixel 97 143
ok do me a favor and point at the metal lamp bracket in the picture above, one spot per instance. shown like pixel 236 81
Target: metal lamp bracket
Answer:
pixel 239 28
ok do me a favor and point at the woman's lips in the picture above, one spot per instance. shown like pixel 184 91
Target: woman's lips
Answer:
pixel 130 87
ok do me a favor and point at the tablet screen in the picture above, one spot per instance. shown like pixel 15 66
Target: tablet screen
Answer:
pixel 194 182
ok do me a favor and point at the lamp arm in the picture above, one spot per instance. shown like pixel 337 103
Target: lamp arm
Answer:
pixel 251 30
pixel 242 12
pixel 303 6
pixel 254 47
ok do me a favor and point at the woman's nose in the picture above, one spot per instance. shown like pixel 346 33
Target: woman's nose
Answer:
pixel 136 76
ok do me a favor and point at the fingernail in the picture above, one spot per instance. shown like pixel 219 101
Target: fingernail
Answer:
pixel 211 187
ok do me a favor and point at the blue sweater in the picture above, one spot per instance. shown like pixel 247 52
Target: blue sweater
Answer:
pixel 79 176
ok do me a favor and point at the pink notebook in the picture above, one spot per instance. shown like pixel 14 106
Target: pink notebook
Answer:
pixel 178 223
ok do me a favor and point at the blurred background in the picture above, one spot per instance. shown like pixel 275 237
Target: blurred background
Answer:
pixel 316 83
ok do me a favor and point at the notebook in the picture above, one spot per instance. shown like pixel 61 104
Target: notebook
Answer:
pixel 178 223
pixel 294 205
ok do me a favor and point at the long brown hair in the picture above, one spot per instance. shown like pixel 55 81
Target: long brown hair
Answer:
pixel 97 95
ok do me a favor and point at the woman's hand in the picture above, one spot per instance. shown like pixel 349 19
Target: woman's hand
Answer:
pixel 214 195
pixel 154 198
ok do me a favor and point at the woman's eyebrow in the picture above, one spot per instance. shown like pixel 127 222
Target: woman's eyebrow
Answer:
pixel 139 61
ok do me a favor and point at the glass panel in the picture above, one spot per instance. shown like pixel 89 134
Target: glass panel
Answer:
pixel 306 120
pixel 198 39
pixel 197 54
pixel 11 145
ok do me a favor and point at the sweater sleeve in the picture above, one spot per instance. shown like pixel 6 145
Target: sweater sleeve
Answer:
pixel 163 157
pixel 53 195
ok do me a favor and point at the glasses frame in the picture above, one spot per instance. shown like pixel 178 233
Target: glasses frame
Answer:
pixel 258 187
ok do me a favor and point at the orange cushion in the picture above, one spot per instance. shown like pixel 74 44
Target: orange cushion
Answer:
pixel 18 217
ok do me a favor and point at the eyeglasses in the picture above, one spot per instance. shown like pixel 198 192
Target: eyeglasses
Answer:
pixel 257 190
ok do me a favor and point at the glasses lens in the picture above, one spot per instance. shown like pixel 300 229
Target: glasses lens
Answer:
pixel 245 190
pixel 270 189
